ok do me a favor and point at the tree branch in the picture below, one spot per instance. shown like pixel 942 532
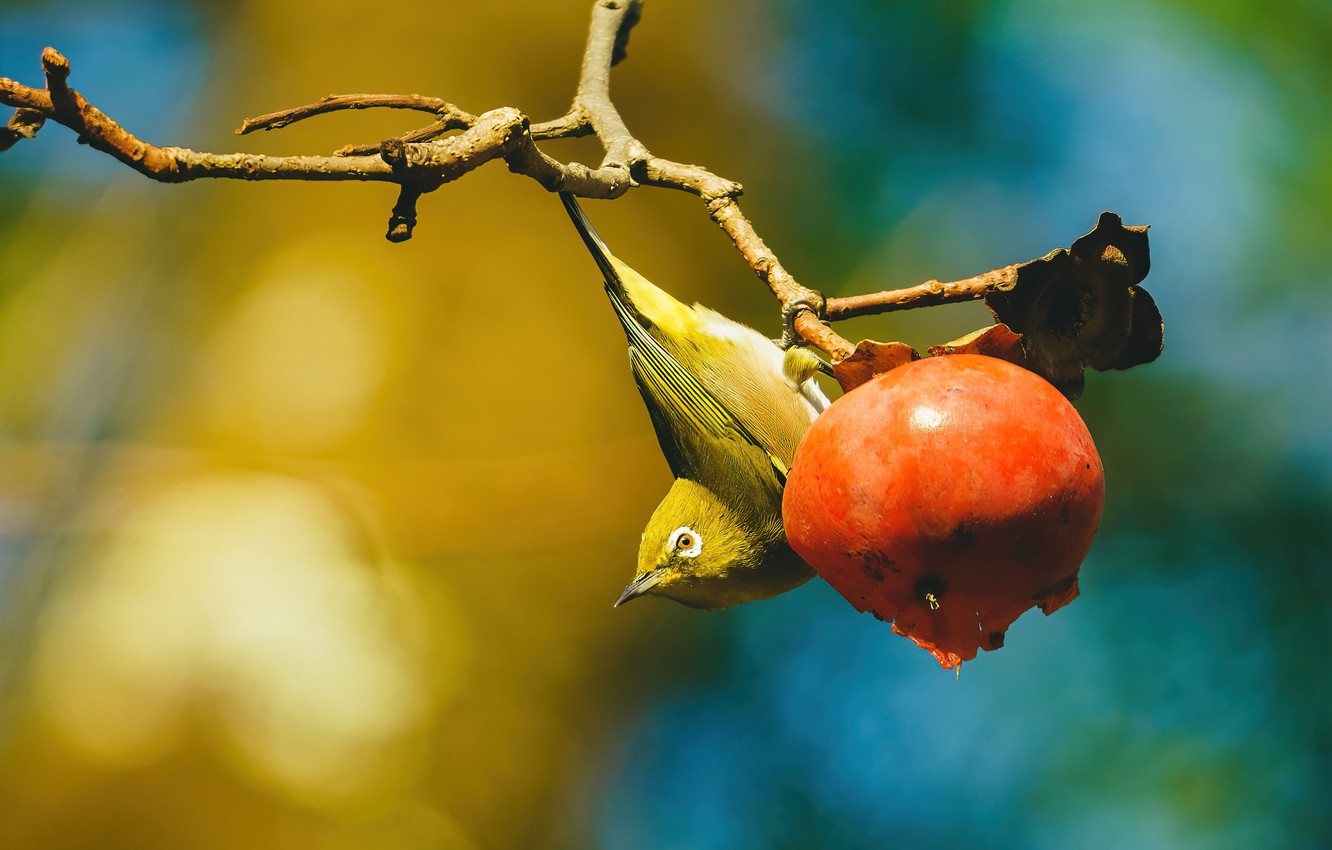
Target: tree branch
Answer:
pixel 447 113
pixel 457 142
pixel 931 293
pixel 606 44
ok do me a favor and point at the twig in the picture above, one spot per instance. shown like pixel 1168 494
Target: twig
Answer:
pixel 931 293
pixel 424 159
pixel 447 112
pixel 605 46
pixel 571 126
pixel 606 43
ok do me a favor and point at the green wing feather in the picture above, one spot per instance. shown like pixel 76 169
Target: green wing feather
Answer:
pixel 692 425
pixel 679 403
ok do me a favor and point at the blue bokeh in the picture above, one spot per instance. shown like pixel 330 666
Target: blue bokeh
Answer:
pixel 1181 701
pixel 142 63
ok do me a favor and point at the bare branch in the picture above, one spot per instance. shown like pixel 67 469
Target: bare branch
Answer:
pixel 571 126
pixel 403 217
pixel 455 118
pixel 423 134
pixel 931 293
pixel 606 43
pixel 24 97
pixel 56 68
pixel 457 142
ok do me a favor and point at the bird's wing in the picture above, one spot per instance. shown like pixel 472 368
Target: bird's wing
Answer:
pixel 688 419
pixel 693 412
pixel 746 373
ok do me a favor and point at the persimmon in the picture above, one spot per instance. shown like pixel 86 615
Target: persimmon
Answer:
pixel 948 495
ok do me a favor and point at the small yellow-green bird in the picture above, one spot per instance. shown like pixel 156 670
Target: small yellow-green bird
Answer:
pixel 729 408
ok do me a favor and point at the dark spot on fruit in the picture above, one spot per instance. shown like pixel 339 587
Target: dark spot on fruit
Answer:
pixel 873 564
pixel 996 639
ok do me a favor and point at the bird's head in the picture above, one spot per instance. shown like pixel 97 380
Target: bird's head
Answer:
pixel 701 553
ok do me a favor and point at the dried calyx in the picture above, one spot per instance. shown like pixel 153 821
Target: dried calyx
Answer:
pixel 1056 315
pixel 1083 307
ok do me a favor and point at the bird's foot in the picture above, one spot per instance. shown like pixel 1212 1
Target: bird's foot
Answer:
pixel 811 300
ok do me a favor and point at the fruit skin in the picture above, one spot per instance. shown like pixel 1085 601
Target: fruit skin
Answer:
pixel 950 495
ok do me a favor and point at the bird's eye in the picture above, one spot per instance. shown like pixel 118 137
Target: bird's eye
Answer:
pixel 686 542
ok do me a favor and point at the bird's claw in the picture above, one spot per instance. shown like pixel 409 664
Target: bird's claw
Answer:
pixel 813 301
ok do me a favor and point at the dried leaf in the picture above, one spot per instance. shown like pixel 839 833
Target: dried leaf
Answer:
pixel 1082 306
pixel 993 341
pixel 1147 337
pixel 23 125
pixel 869 359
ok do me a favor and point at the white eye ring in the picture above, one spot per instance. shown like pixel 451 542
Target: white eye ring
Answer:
pixel 685 542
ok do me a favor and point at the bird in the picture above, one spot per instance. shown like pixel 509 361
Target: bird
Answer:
pixel 729 408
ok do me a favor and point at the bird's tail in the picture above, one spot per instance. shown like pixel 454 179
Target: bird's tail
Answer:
pixel 638 303
pixel 599 251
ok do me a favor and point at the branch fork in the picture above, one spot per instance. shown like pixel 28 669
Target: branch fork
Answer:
pixel 456 142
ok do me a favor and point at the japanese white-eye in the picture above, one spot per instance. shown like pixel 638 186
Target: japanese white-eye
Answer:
pixel 729 408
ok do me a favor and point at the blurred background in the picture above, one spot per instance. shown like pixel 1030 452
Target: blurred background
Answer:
pixel 310 540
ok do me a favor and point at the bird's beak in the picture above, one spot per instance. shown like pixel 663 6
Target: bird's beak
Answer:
pixel 640 585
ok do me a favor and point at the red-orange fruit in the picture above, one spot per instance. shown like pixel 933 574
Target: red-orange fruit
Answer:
pixel 948 495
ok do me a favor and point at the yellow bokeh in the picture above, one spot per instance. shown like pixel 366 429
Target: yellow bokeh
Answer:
pixel 311 539
pixel 294 365
pixel 235 605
